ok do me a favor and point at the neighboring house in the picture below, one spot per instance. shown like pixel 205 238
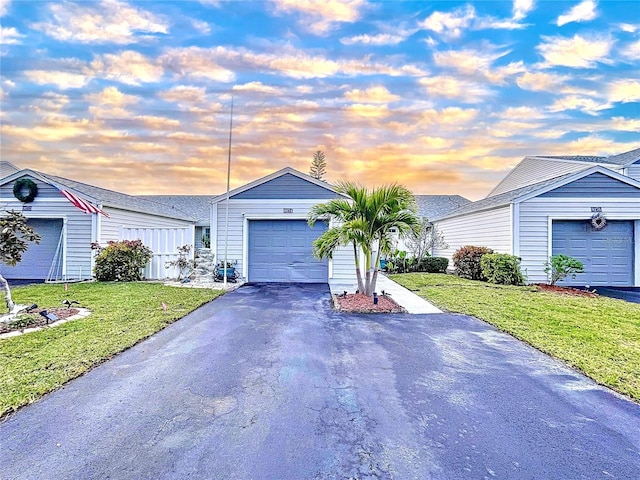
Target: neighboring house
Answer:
pixel 431 206
pixel 268 239
pixel 198 206
pixel 545 207
pixel 69 222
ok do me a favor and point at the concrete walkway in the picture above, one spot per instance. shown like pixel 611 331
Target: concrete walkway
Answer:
pixel 411 302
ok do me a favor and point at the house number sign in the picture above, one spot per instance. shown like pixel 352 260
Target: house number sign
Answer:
pixel 596 209
pixel 287 210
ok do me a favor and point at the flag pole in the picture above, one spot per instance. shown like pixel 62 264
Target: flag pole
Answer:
pixel 226 222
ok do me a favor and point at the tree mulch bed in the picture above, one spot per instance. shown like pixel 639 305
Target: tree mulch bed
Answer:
pixel 576 292
pixel 360 303
pixel 34 319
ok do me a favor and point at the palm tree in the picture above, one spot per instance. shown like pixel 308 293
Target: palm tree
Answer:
pixel 342 213
pixel 365 220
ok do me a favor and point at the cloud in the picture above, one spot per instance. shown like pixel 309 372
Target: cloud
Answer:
pixel 454 88
pixel 450 24
pixel 197 62
pixel 377 94
pixel 258 87
pixel 374 40
pixel 64 73
pixel 368 111
pixel 575 52
pixel 541 81
pixel 201 26
pixel 583 12
pixel 10 36
pixel 521 8
pixel 575 102
pixel 625 124
pixel 4 7
pixel 183 94
pixel 631 51
pixel 108 21
pixel 128 67
pixel 629 27
pixel 623 91
pixel 110 103
pixel 320 17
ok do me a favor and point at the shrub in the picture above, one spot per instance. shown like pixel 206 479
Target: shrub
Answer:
pixel 466 261
pixel 183 264
pixel 561 266
pixel 433 265
pixel 502 268
pixel 121 261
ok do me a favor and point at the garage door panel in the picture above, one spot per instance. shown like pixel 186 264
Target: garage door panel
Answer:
pixel 37 260
pixel 607 254
pixel 288 257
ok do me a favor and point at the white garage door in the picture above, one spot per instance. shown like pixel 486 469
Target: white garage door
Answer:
pixel 280 251
pixel 607 254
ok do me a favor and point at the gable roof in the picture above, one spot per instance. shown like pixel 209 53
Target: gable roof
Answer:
pixel 274 175
pixel 433 206
pixel 104 197
pixel 198 206
pixel 530 191
pixel 7 168
pixel 627 158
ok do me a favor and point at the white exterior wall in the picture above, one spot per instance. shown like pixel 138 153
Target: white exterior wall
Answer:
pixel 241 211
pixel 490 228
pixel 534 170
pixel 161 234
pixel 633 171
pixel 535 233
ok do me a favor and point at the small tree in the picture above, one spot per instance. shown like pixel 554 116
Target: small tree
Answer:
pixel 15 235
pixel 318 165
pixel 424 238
pixel 185 265
pixel 561 266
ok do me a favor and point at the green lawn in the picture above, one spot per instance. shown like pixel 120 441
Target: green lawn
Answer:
pixel 598 336
pixel 122 315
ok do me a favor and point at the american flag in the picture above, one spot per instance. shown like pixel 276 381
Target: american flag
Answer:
pixel 83 205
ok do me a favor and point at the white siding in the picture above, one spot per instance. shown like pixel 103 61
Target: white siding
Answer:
pixel 491 228
pixel 535 218
pixel 633 171
pixel 533 170
pixel 240 211
pixel 110 227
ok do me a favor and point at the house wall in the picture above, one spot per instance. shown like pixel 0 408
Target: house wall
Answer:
pixel 535 234
pixel 490 228
pixel 534 170
pixel 242 210
pixel 633 171
pixel 78 228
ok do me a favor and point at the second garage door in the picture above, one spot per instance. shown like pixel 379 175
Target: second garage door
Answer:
pixel 607 254
pixel 281 251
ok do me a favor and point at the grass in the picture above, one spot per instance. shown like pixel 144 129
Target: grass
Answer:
pixel 122 314
pixel 598 336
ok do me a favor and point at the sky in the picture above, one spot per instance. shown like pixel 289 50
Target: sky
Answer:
pixel 443 97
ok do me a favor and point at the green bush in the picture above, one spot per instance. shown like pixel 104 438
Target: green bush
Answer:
pixel 466 261
pixel 561 266
pixel 502 268
pixel 121 261
pixel 433 265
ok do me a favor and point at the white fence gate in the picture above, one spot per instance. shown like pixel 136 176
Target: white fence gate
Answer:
pixel 164 243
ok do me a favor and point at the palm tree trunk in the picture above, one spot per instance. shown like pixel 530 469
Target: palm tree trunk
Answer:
pixel 7 294
pixel 375 272
pixel 367 281
pixel 358 272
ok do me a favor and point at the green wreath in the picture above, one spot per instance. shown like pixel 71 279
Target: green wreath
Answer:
pixel 21 185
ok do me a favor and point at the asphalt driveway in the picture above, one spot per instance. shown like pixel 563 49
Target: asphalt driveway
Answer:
pixel 268 383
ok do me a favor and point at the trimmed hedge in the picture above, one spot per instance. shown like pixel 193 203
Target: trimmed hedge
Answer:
pixel 466 261
pixel 121 261
pixel 502 268
pixel 433 265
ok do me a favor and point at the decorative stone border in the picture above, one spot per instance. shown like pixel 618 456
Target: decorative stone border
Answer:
pixel 82 313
